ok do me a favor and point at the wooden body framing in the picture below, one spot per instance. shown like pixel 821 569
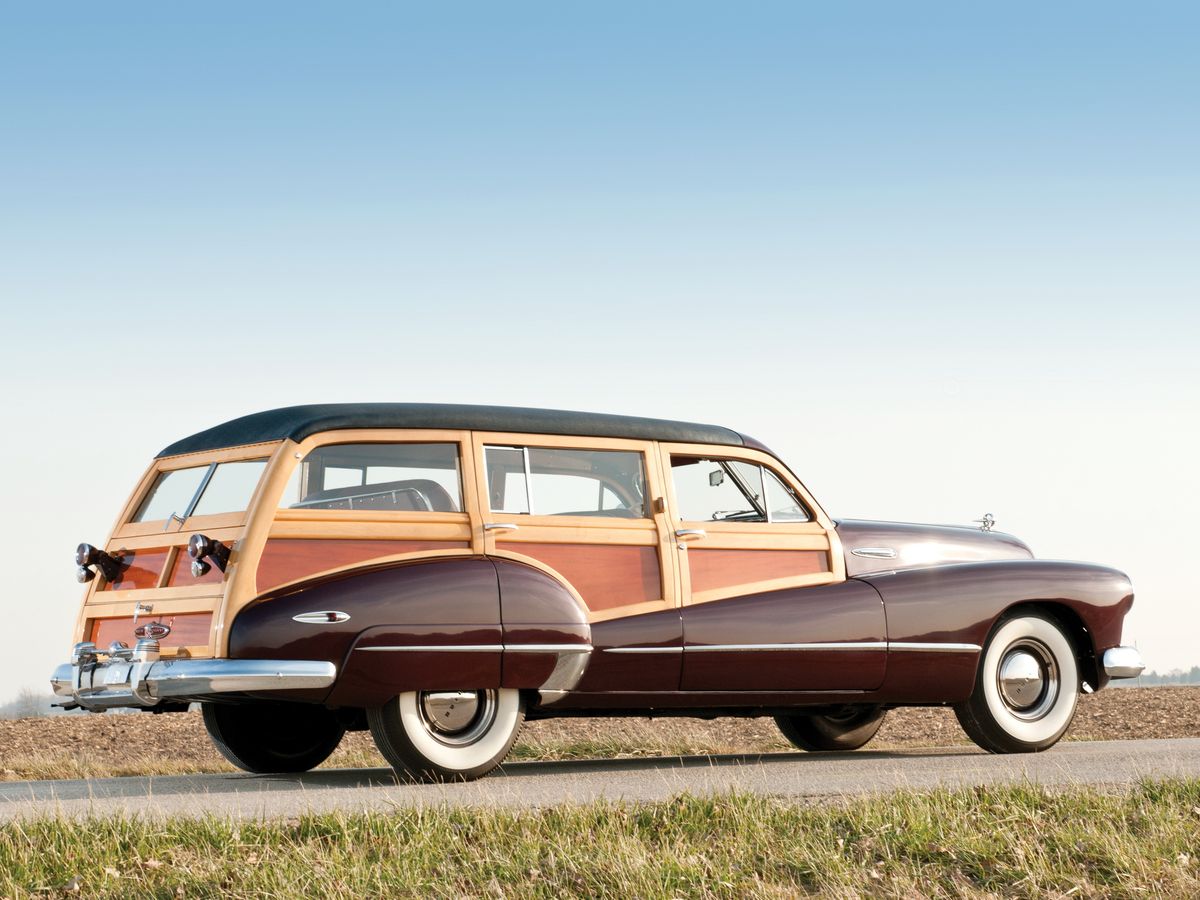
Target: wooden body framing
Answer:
pixel 614 567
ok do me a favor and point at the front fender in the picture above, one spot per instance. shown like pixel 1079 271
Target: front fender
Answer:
pixel 958 605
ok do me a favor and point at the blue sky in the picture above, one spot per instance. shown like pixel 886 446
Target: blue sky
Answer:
pixel 942 257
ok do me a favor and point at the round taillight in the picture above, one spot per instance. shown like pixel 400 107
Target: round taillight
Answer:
pixel 199 546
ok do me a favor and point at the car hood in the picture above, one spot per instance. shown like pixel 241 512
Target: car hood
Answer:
pixel 888 546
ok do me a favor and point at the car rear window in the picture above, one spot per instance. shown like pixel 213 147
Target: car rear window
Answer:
pixel 201 490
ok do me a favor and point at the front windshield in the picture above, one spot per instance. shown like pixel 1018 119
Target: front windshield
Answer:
pixel 201 490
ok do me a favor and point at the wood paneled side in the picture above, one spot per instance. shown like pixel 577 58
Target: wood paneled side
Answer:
pixel 605 575
pixel 187 630
pixel 140 569
pixel 713 569
pixel 286 559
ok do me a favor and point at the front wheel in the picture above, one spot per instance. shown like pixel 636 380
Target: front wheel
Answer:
pixel 447 735
pixel 847 729
pixel 273 737
pixel 1026 689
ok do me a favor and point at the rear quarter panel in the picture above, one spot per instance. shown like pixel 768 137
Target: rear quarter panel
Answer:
pixel 425 624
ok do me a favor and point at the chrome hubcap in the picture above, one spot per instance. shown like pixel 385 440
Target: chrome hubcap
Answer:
pixel 1027 679
pixel 457 717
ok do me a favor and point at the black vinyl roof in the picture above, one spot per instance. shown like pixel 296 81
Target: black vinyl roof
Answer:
pixel 298 422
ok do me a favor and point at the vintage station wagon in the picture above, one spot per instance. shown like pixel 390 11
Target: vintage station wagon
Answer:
pixel 438 573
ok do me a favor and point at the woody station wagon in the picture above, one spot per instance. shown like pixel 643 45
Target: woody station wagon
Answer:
pixel 439 573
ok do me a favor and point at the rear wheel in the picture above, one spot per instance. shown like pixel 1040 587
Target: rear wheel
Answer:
pixel 273 737
pixel 847 729
pixel 447 735
pixel 1026 689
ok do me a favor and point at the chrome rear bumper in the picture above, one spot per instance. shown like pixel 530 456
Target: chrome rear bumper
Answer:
pixel 1123 662
pixel 117 682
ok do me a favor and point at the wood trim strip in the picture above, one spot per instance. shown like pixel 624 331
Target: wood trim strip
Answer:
pixel 395 530
pixel 285 560
pixel 140 570
pixel 181 572
pixel 337 517
pixel 633 609
pixel 122 604
pixel 762 587
pixel 606 576
pixel 187 629
pixel 716 569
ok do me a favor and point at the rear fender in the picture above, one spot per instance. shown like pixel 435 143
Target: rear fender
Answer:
pixel 422 625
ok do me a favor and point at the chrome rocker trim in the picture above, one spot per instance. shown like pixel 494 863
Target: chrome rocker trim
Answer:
pixel 96 685
pixel 1123 662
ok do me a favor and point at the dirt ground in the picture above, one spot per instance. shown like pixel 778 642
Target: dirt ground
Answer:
pixel 116 739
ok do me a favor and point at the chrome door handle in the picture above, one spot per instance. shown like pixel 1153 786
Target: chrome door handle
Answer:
pixel 690 534
pixel 499 526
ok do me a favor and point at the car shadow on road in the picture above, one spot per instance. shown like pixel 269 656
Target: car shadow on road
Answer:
pixel 706 761
pixel 349 778
pixel 325 779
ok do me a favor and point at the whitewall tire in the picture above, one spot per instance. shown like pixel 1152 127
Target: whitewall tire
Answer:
pixel 1026 688
pixel 447 735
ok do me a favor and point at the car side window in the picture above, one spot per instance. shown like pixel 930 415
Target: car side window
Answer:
pixel 709 489
pixel 782 503
pixel 556 482
pixel 381 477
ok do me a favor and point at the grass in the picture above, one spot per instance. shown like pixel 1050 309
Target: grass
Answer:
pixel 1012 841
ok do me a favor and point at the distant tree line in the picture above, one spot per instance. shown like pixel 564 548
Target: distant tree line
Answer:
pixel 29 703
pixel 1152 678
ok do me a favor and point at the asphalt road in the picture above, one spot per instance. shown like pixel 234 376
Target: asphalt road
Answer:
pixel 802 776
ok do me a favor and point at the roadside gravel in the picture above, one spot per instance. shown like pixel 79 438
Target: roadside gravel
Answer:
pixel 78 744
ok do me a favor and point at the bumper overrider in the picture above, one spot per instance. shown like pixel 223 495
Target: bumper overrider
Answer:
pixel 127 678
pixel 1123 662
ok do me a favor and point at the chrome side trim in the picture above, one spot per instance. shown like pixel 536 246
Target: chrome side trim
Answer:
pixel 548 648
pixel 459 648
pixel 487 648
pixel 568 668
pixel 811 645
pixel 643 650
pixel 322 617
pixel 815 645
pixel 874 552
pixel 935 646
pixel 1123 662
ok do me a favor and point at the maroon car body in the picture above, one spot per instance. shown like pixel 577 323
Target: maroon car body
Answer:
pixel 440 571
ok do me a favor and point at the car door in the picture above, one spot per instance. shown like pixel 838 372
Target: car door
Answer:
pixel 590 512
pixel 766 604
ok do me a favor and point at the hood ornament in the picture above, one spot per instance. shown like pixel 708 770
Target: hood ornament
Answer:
pixel 987 523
